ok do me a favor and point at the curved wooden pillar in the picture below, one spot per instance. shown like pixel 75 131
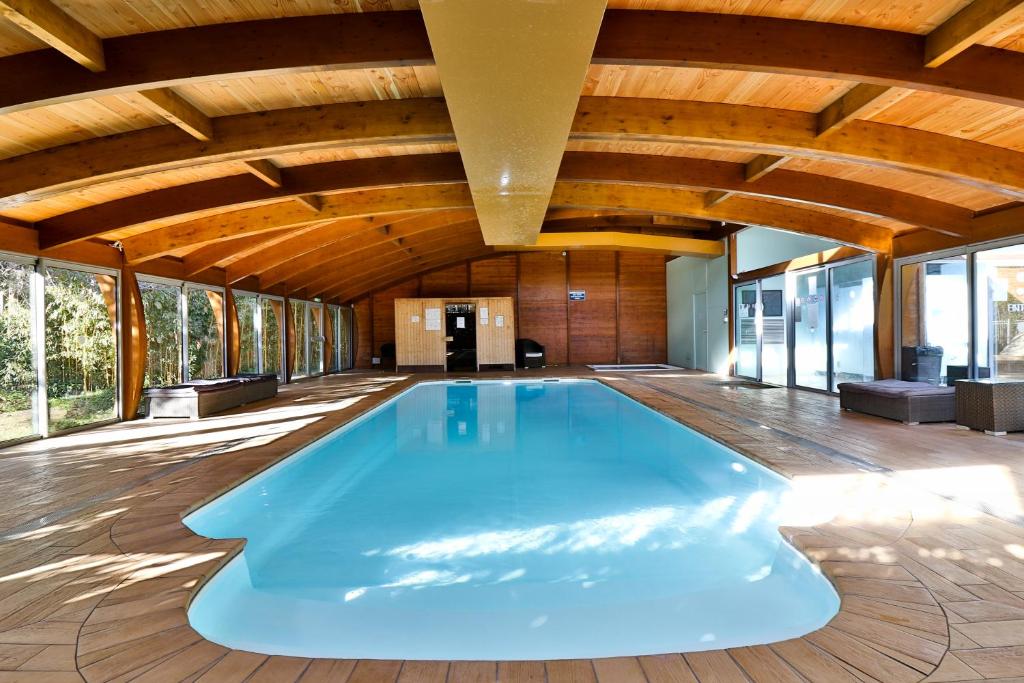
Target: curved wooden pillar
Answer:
pixel 328 329
pixel 133 344
pixel 884 328
pixel 289 340
pixel 232 329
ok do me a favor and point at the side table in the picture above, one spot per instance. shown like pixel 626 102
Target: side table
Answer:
pixel 995 406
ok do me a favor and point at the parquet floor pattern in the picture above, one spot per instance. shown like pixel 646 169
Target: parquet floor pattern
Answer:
pixel 96 568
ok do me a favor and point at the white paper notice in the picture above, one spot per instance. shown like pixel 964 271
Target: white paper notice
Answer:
pixel 460 323
pixel 414 319
pixel 484 312
pixel 499 321
pixel 432 313
pixel 432 325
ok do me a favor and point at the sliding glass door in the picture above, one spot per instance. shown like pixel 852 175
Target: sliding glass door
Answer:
pixel 746 330
pixel 853 322
pixel 935 320
pixel 81 347
pixel 19 398
pixel 810 329
pixel 999 312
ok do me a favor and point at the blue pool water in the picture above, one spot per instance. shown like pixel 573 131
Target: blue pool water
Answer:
pixel 500 520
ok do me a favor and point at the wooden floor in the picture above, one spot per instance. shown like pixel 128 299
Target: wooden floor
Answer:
pixel 96 569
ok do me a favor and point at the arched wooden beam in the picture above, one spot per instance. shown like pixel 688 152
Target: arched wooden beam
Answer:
pixel 386 255
pixel 598 196
pixel 384 263
pixel 296 244
pixel 382 39
pixel 39 175
pixel 324 249
pixel 668 201
pixel 355 267
pixel 388 278
pixel 680 172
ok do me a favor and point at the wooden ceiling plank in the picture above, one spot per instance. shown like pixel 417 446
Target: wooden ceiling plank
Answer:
pixel 56 28
pixel 265 170
pixel 180 112
pixel 862 101
pixel 971 25
pixel 627 37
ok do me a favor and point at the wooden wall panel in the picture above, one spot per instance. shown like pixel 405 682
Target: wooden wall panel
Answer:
pixel 494 276
pixel 592 322
pixel 384 311
pixel 592 331
pixel 496 345
pixel 414 344
pixel 363 353
pixel 542 303
pixel 642 308
pixel 448 282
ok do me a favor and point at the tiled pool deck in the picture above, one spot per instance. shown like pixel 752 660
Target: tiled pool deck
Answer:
pixel 96 568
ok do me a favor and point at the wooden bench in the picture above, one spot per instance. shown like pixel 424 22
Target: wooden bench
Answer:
pixel 203 397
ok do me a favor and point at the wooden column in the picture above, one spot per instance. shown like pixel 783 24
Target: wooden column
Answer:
pixel 289 340
pixel 328 326
pixel 884 328
pixel 133 344
pixel 231 328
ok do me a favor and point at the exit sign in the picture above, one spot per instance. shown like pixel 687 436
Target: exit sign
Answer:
pixel 577 295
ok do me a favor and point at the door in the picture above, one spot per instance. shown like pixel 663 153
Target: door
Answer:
pixel 810 330
pixel 700 331
pixel 746 333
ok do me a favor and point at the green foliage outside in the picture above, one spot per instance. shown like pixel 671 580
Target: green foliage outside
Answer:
pixel 161 306
pixel 81 349
pixel 17 376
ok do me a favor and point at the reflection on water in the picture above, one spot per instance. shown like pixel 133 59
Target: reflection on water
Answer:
pixel 509 521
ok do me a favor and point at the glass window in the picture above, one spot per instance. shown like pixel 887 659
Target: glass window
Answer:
pixel 935 321
pixel 248 348
pixel 774 352
pixel 316 339
pixel 270 327
pixel 810 338
pixel 81 348
pixel 746 330
pixel 853 323
pixel 205 334
pixel 999 292
pixel 299 338
pixel 18 381
pixel 161 306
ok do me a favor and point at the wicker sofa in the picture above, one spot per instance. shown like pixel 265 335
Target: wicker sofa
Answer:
pixel 203 397
pixel 908 402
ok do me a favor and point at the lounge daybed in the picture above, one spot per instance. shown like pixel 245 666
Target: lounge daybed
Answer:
pixel 908 402
pixel 203 397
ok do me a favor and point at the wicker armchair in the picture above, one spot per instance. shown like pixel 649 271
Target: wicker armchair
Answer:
pixel 530 354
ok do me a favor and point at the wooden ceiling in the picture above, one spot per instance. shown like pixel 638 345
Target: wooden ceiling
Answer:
pixel 305 148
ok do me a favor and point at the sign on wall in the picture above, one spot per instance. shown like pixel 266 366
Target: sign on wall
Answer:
pixel 577 295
